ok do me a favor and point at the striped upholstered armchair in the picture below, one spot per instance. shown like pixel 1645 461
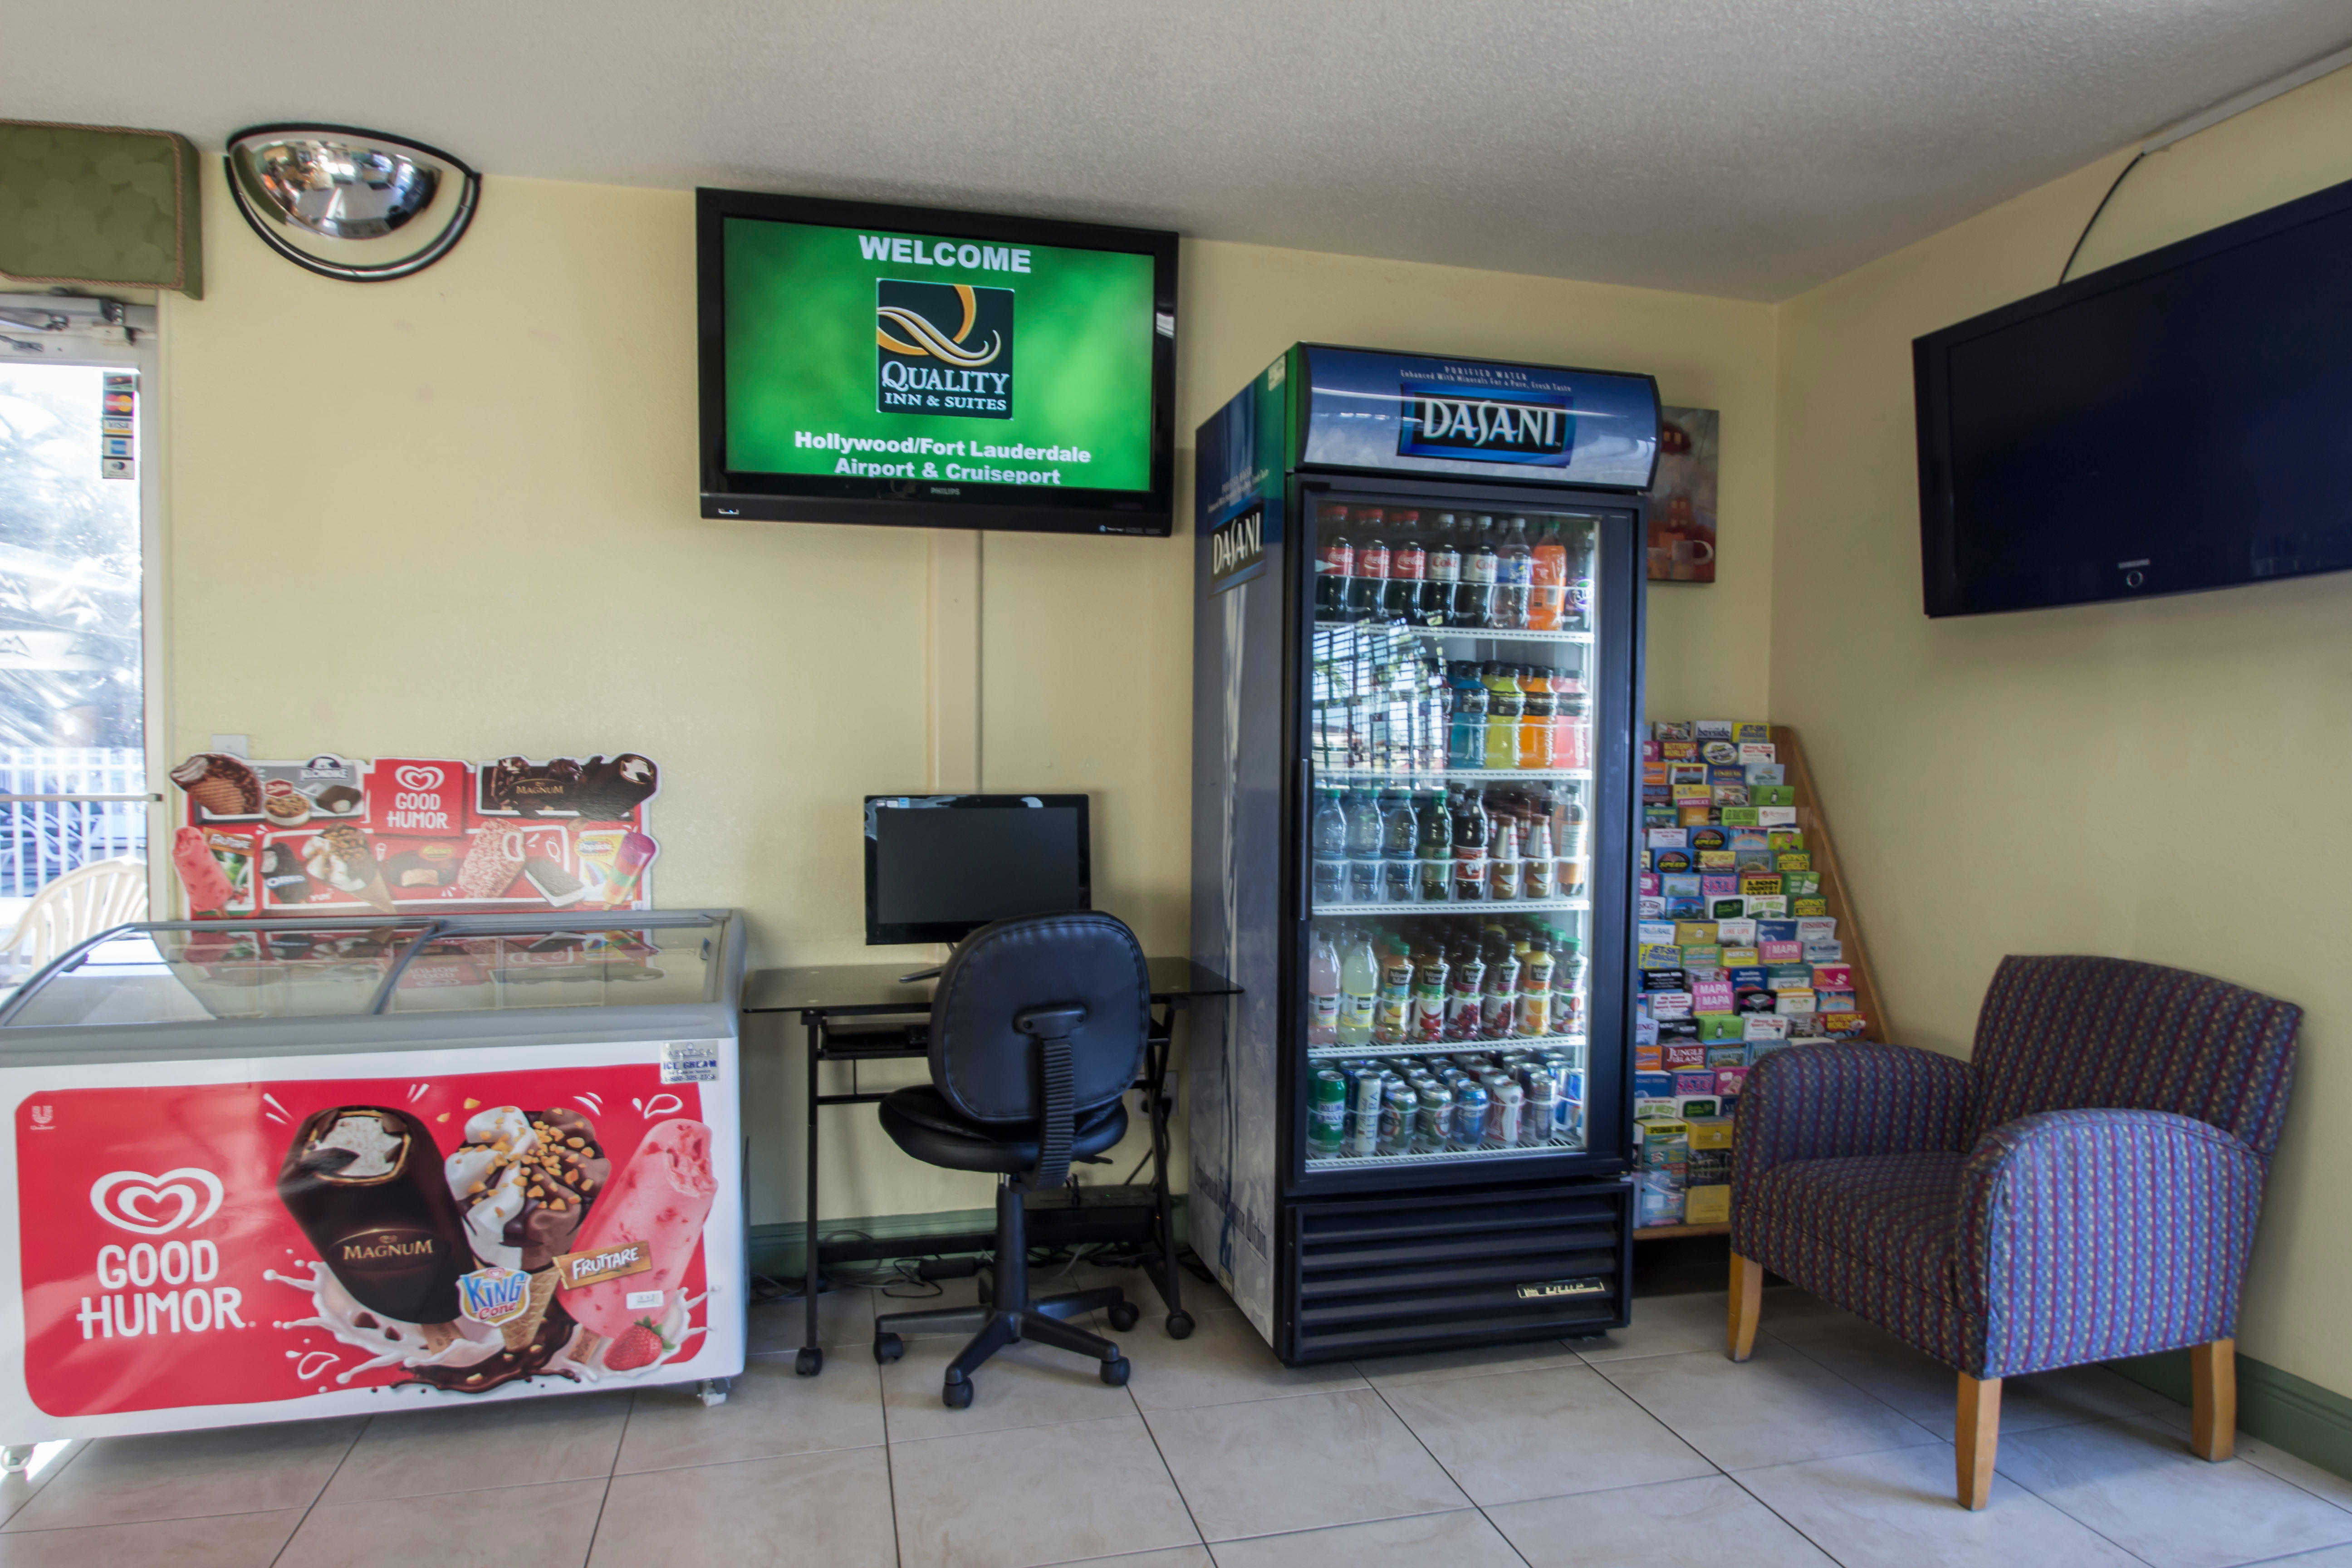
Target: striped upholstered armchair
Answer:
pixel 2084 1188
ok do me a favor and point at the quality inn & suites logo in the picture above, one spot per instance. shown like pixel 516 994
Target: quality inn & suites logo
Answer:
pixel 942 348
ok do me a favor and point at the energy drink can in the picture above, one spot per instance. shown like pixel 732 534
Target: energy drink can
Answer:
pixel 1400 1117
pixel 1436 1119
pixel 1363 1125
pixel 1509 1105
pixel 1539 1123
pixel 1327 1114
pixel 1471 1105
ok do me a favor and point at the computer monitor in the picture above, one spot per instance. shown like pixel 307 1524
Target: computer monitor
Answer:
pixel 939 867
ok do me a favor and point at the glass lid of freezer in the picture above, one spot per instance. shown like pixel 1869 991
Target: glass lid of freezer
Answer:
pixel 192 971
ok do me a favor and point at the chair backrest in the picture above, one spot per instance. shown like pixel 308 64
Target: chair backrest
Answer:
pixel 987 1067
pixel 2079 1034
pixel 78 906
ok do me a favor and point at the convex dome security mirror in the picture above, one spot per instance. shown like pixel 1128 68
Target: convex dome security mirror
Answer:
pixel 350 204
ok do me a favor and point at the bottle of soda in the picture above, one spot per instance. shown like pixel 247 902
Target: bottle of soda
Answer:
pixel 1474 596
pixel 1326 837
pixel 1400 848
pixel 1407 561
pixel 1334 564
pixel 1467 748
pixel 1471 828
pixel 1322 990
pixel 1512 566
pixel 1506 705
pixel 1441 573
pixel 1435 849
pixel 1548 580
pixel 1369 584
pixel 1576 609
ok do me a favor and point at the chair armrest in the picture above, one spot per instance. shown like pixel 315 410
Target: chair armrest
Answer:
pixel 1819 1102
pixel 2085 1235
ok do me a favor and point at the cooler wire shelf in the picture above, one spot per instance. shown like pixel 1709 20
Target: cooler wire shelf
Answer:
pixel 1432 778
pixel 1446 1156
pixel 1454 907
pixel 1445 1048
pixel 1480 634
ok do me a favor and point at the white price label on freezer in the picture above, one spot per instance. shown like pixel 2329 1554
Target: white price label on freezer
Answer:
pixel 690 1061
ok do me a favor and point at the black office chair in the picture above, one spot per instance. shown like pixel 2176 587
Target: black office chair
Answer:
pixel 1037 1028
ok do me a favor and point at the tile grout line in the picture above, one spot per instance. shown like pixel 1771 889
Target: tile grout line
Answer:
pixel 890 1467
pixel 1444 1468
pixel 606 1496
pixel 340 1460
pixel 1784 1518
pixel 1191 1518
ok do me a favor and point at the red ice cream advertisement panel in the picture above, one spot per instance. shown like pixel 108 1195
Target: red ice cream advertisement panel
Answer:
pixel 223 1244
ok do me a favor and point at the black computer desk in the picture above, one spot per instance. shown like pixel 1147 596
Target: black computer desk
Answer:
pixel 825 993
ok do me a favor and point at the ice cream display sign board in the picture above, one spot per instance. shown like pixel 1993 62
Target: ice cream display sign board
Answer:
pixel 333 835
pixel 262 1241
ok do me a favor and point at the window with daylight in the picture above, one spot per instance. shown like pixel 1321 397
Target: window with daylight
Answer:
pixel 73 777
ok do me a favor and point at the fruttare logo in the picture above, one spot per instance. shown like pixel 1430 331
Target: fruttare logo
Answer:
pixel 156 1206
pixel 942 348
pixel 1521 426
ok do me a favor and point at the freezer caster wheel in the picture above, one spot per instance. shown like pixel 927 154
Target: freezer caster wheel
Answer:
pixel 1179 1325
pixel 1124 1315
pixel 889 1348
pixel 1114 1371
pixel 711 1391
pixel 956 1393
pixel 810 1361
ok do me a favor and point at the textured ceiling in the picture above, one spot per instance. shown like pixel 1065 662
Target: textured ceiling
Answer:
pixel 1740 147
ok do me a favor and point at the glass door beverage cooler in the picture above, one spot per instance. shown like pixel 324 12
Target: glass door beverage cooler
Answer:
pixel 1416 676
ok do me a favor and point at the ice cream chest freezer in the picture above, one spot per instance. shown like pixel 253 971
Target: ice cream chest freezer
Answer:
pixel 275 1169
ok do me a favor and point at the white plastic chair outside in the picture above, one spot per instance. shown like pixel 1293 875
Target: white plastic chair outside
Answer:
pixel 77 906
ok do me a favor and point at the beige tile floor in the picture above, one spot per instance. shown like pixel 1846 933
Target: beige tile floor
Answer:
pixel 1832 1446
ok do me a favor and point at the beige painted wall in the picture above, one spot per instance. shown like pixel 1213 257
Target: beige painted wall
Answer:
pixel 455 515
pixel 2153 780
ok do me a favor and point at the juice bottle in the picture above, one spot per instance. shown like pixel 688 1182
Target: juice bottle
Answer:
pixel 1392 1012
pixel 1464 994
pixel 1548 581
pixel 1542 875
pixel 1571 846
pixel 1498 1004
pixel 1407 561
pixel 1429 977
pixel 1441 573
pixel 1334 564
pixel 1505 707
pixel 1360 988
pixel 1535 990
pixel 1323 990
pixel 1471 828
pixel 1503 867
pixel 1536 722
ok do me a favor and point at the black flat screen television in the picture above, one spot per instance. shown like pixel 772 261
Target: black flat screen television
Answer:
pixel 933 369
pixel 939 867
pixel 2182 420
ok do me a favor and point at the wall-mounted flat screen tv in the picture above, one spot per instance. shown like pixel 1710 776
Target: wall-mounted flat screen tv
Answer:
pixel 904 365
pixel 2179 421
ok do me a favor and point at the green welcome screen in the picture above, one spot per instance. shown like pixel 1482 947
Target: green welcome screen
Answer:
pixel 883 355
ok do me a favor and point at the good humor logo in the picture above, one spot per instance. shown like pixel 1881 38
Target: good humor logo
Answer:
pixel 1445 421
pixel 942 348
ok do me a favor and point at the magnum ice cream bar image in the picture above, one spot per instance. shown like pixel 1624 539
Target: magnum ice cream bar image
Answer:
pixel 365 1184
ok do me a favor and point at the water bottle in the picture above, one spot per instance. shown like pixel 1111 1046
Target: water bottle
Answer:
pixel 1327 837
pixel 1364 844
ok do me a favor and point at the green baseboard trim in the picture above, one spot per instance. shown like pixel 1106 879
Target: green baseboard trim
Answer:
pixel 778 1251
pixel 2311 1422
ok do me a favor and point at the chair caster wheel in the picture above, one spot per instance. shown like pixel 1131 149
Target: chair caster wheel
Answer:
pixel 1115 1372
pixel 810 1361
pixel 1179 1325
pixel 957 1394
pixel 888 1348
pixel 1124 1315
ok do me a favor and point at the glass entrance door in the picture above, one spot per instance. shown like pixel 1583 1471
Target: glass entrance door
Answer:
pixel 1451 715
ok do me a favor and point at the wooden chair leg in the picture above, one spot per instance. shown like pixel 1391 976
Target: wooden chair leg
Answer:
pixel 1747 1306
pixel 2214 1393
pixel 1978 1439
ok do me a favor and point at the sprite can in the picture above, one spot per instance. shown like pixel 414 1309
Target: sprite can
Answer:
pixel 1327 1114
